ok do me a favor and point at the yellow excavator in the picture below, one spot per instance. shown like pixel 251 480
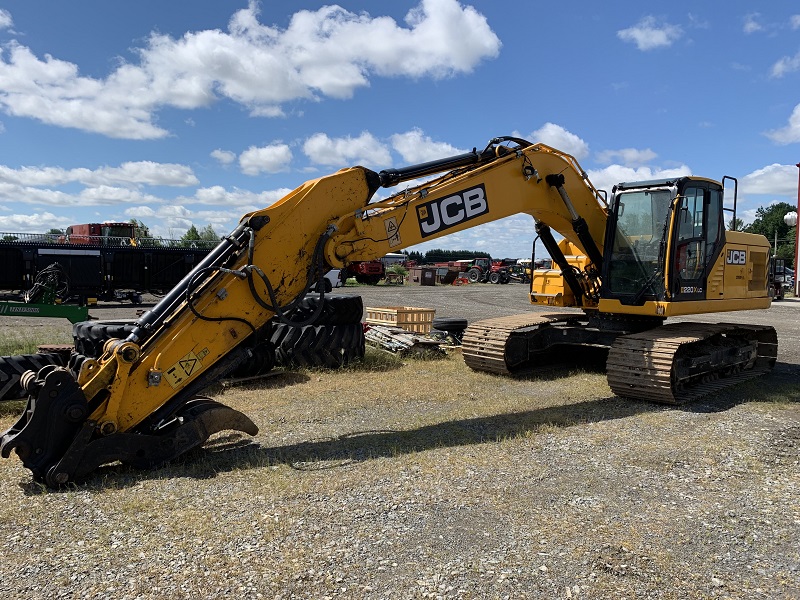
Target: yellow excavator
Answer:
pixel 652 250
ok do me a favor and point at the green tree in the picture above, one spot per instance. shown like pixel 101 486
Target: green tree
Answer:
pixel 56 231
pixel 769 223
pixel 191 234
pixel 735 224
pixel 438 255
pixel 206 234
pixel 142 230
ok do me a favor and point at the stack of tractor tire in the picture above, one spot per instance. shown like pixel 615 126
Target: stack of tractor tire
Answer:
pixel 328 334
pixel 12 368
pixel 334 337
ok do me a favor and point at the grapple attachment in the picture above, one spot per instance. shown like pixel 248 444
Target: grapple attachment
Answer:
pixel 58 444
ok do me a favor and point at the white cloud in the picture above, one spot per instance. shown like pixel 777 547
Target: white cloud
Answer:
pixel 32 223
pixel 607 178
pixel 218 195
pixel 330 51
pixel 149 173
pixel 789 134
pixel 165 217
pixel 107 195
pixel 648 34
pixel 140 212
pixel 173 218
pixel 6 22
pixel 416 147
pixel 794 21
pixel 225 157
pixel 131 173
pixel 772 180
pixel 267 159
pixel 52 91
pixel 787 64
pixel 561 139
pixel 364 150
pixel 630 157
pixel 103 195
pixel 751 24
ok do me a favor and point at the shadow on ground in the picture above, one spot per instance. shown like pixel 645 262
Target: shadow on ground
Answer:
pixel 233 451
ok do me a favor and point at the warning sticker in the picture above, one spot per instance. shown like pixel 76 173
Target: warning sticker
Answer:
pixel 183 369
pixel 392 232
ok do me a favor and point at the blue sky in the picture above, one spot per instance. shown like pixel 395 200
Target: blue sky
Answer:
pixel 179 113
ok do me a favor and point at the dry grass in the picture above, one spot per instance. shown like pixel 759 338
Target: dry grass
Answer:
pixel 24 338
pixel 404 478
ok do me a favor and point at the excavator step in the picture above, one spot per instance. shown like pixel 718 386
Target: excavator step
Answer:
pixel 681 362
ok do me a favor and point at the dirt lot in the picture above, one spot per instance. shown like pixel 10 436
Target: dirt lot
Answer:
pixel 422 479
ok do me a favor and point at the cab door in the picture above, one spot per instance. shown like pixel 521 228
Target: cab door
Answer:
pixel 697 239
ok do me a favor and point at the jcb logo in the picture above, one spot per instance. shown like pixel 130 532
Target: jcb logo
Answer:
pixel 438 215
pixel 736 257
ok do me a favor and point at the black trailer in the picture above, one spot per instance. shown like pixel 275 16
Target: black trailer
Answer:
pixel 110 269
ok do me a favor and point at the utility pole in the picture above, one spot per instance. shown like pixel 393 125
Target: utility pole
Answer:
pixel 797 239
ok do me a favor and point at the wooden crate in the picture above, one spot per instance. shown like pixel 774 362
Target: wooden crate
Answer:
pixel 410 318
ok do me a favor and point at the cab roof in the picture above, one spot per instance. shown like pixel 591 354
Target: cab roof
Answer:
pixel 670 182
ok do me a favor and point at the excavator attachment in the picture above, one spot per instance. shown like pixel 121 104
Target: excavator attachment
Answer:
pixel 58 444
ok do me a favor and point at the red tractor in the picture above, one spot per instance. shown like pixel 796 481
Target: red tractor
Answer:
pixel 369 271
pixel 486 270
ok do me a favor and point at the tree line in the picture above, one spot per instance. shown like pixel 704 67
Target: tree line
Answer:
pixel 769 223
pixel 439 255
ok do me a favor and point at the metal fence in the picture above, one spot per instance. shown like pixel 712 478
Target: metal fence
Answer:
pixel 39 239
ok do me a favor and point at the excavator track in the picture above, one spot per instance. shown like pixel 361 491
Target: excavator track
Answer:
pixel 488 345
pixel 670 364
pixel 681 362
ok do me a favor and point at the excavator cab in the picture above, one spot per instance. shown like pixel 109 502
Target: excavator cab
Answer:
pixel 662 239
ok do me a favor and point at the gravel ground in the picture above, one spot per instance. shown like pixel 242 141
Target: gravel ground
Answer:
pixel 422 479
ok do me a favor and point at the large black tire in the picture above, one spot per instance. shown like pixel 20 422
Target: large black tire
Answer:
pixel 494 277
pixel 330 346
pixel 474 275
pixel 260 361
pixel 12 368
pixel 91 336
pixel 336 310
pixel 449 324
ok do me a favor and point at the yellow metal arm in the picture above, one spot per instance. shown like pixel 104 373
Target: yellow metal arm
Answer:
pixel 513 183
